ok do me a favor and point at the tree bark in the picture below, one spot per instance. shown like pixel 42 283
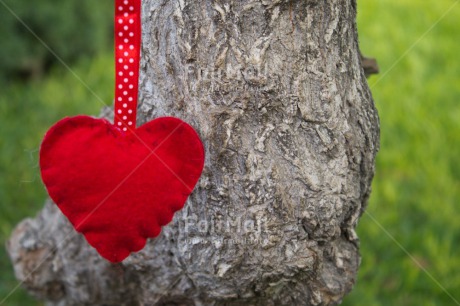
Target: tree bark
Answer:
pixel 277 92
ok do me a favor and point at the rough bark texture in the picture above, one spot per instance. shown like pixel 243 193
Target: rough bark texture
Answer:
pixel 277 92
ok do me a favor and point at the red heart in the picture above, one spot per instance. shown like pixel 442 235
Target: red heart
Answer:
pixel 118 188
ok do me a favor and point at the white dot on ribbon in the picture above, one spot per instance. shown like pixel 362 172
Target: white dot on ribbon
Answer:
pixel 126 31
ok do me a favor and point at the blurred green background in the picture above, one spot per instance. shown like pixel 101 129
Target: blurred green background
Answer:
pixel 415 204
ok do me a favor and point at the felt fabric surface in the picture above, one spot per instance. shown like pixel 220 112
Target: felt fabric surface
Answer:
pixel 117 188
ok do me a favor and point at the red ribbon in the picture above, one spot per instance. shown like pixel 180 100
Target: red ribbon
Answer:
pixel 127 56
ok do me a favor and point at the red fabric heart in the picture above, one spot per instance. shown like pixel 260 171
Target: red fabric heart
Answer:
pixel 118 188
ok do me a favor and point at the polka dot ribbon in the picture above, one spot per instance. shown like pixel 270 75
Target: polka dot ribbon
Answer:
pixel 127 55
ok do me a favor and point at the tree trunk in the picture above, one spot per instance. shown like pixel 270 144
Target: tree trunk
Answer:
pixel 276 90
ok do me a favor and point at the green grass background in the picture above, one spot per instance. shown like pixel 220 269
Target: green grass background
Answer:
pixel 416 191
pixel 26 112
